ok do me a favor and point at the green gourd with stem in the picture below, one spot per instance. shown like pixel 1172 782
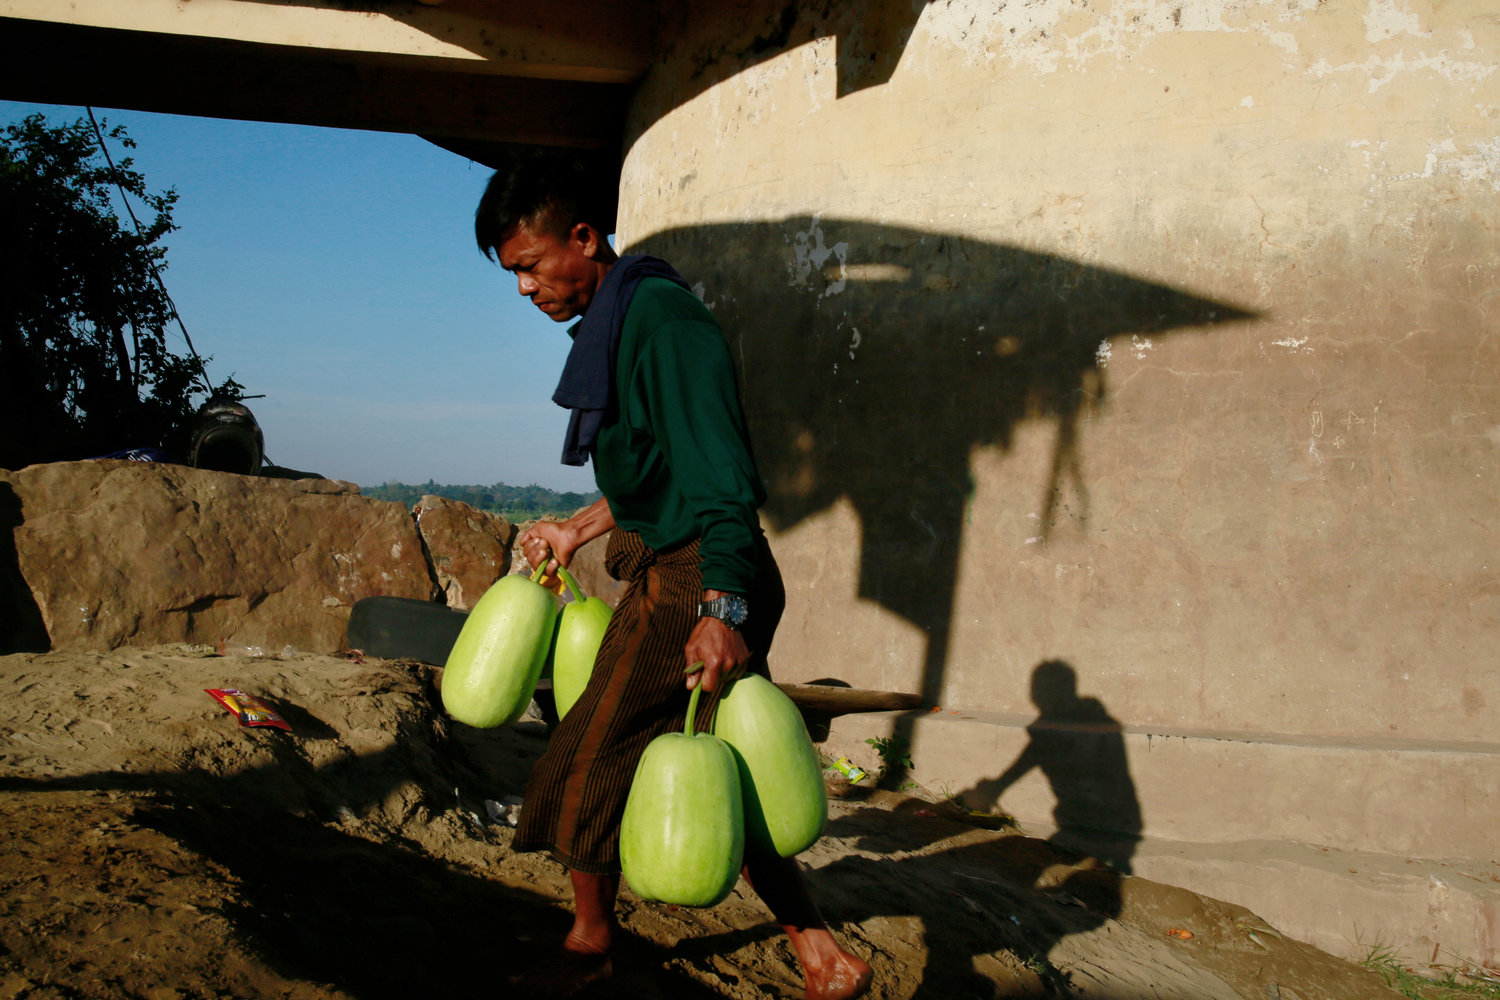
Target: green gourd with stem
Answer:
pixel 496 660
pixel 786 804
pixel 682 838
pixel 579 632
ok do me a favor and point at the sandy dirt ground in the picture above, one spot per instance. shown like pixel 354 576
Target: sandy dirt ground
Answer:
pixel 152 847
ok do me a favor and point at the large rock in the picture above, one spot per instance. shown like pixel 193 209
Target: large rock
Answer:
pixel 469 548
pixel 116 553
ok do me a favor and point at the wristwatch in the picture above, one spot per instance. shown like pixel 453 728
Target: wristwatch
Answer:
pixel 731 609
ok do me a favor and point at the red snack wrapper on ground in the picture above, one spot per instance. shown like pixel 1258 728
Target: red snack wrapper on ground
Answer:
pixel 250 710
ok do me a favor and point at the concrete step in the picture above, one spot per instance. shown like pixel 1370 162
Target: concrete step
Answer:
pixel 1343 844
pixel 1441 913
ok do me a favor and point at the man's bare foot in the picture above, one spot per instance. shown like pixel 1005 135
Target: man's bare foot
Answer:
pixel 566 972
pixel 846 977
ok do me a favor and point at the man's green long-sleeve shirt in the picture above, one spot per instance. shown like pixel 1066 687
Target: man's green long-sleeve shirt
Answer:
pixel 673 457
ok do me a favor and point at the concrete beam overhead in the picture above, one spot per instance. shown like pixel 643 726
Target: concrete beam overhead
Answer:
pixel 148 71
pixel 581 40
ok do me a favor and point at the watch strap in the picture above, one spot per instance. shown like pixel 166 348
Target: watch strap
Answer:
pixel 731 609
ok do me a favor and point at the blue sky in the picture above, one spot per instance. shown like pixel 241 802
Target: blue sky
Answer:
pixel 335 271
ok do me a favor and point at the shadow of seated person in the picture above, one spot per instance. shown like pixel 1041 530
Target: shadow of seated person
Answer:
pixel 1080 749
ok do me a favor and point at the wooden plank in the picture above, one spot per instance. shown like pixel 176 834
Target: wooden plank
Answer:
pixel 841 700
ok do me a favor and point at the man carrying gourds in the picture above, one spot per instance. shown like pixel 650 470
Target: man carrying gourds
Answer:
pixel 654 403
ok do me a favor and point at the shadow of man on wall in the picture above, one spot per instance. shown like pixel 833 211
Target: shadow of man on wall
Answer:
pixel 1080 750
pixel 876 359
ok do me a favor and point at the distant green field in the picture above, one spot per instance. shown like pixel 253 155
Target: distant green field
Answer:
pixel 516 503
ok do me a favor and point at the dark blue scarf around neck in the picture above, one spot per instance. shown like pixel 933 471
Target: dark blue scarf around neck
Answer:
pixel 588 384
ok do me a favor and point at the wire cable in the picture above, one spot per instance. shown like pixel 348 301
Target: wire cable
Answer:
pixel 155 272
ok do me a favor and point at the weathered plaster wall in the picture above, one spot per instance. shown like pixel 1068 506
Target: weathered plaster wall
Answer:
pixel 1155 339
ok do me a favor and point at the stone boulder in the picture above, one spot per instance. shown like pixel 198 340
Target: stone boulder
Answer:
pixel 469 548
pixel 102 554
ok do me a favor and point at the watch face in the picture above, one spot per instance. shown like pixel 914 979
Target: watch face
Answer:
pixel 737 611
pixel 731 609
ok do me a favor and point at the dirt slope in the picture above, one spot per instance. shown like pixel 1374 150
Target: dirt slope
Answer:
pixel 151 847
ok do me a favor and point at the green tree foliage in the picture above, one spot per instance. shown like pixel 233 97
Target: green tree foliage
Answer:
pixel 516 503
pixel 84 364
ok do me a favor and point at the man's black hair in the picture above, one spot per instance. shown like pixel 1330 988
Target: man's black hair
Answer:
pixel 551 189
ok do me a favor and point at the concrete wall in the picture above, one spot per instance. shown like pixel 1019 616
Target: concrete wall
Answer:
pixel 1157 342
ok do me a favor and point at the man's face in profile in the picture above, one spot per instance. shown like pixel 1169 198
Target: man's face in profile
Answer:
pixel 559 274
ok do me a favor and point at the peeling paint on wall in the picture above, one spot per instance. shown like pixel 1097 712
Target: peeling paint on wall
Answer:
pixel 811 254
pixel 816 58
pixel 1045 34
pixel 1382 70
pixel 1389 18
pixel 1048 36
pixel 1478 164
pixel 1481 163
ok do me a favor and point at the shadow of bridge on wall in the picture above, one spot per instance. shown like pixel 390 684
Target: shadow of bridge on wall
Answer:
pixel 876 359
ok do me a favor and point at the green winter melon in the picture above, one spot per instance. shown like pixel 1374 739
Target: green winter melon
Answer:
pixel 780 774
pixel 580 630
pixel 496 660
pixel 682 836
